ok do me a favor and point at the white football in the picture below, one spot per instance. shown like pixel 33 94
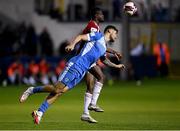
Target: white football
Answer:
pixel 130 8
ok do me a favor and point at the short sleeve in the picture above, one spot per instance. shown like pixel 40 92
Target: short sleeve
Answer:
pixel 94 36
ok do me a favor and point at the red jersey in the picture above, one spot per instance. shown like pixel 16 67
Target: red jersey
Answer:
pixel 92 26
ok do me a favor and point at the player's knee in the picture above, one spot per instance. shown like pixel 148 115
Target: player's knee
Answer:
pixel 58 94
pixel 59 88
pixel 101 78
pixel 51 86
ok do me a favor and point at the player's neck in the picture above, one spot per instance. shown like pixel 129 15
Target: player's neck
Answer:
pixel 96 21
pixel 106 37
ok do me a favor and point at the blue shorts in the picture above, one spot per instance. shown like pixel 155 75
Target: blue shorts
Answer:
pixel 70 76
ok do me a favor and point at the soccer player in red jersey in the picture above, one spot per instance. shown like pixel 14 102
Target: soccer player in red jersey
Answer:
pixel 94 86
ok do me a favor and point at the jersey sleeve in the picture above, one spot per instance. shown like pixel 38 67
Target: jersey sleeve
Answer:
pixel 94 36
pixel 91 27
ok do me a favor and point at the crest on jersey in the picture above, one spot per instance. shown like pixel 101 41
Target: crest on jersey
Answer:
pixel 66 79
pixel 93 29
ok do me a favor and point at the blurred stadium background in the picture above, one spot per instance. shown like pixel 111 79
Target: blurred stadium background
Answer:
pixel 33 34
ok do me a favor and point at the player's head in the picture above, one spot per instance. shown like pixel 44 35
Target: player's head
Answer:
pixel 112 32
pixel 97 14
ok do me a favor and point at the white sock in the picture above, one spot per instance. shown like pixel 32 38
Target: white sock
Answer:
pixel 87 101
pixel 96 92
pixel 40 113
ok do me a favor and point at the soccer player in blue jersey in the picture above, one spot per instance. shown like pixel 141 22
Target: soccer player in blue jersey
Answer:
pixel 76 68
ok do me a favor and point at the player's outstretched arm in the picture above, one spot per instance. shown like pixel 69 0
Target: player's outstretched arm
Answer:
pixel 107 62
pixel 77 39
pixel 115 53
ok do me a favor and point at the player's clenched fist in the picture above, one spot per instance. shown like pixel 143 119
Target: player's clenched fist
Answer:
pixel 120 66
pixel 69 48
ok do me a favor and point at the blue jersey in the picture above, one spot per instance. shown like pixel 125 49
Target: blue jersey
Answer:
pixel 91 52
pixel 80 64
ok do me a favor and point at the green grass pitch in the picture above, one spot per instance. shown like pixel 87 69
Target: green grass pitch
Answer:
pixel 154 105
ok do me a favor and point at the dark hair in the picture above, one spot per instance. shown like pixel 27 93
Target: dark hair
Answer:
pixel 110 27
pixel 94 11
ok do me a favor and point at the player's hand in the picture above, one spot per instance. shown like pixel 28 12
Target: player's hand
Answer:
pixel 120 66
pixel 118 56
pixel 69 48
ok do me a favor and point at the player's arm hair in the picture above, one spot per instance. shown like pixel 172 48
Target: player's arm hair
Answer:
pixel 79 38
pixel 115 53
pixel 111 51
pixel 107 62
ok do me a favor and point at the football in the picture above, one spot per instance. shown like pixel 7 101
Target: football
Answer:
pixel 130 8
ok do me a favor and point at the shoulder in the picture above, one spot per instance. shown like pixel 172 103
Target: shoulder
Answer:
pixel 93 24
pixel 96 34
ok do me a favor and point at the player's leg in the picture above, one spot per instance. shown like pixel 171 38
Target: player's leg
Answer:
pixel 46 88
pixel 67 80
pixel 88 95
pixel 87 98
pixel 38 89
pixel 60 88
pixel 98 74
pixel 92 94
